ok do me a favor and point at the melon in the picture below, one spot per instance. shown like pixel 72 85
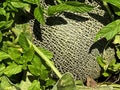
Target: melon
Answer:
pixel 70 36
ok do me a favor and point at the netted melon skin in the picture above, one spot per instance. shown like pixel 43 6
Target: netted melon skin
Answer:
pixel 70 36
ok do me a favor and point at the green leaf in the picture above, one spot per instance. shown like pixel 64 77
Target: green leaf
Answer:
pixel 6 24
pixel 14 53
pixel 65 83
pixel 19 4
pixel 102 62
pixel 50 82
pixel 117 39
pixel 4 55
pixel 114 2
pixel 2 11
pixel 37 68
pixel 38 13
pixel 13 69
pixel 23 41
pixel 35 85
pixel 2 67
pixel 109 31
pixel 27 57
pixel 0 36
pixel 72 6
pixel 6 84
pixel 105 74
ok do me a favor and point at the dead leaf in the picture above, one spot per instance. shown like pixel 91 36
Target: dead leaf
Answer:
pixel 91 82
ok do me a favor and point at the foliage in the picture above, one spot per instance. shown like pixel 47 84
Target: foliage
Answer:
pixel 112 33
pixel 23 66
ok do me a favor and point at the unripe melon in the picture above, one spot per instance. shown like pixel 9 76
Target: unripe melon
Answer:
pixel 70 36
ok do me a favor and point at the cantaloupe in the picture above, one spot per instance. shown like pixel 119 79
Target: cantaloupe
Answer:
pixel 70 36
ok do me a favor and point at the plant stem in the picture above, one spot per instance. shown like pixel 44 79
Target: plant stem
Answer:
pixel 46 60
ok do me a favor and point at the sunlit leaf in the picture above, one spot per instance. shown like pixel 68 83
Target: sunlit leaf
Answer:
pixel 23 41
pixel 35 85
pixel 6 24
pixel 109 31
pixel 2 11
pixel 19 4
pixel 13 69
pixel 38 13
pixel 3 56
pixel 117 39
pixel 72 6
pixel 2 67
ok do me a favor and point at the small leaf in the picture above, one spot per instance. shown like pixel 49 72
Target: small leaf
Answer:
pixel 72 6
pixel 109 31
pixel 6 24
pixel 117 39
pixel 50 82
pixel 3 56
pixel 35 85
pixel 102 62
pixel 114 2
pixel 38 13
pixel 14 54
pixel 105 74
pixel 13 69
pixel 23 41
pixel 19 4
pixel 2 11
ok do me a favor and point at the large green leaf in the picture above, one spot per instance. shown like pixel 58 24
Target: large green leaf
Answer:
pixel 35 85
pixel 72 6
pixel 3 56
pixel 38 13
pixel 109 31
pixel 13 69
pixel 114 2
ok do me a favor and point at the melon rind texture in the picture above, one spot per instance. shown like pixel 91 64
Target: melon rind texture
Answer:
pixel 70 36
